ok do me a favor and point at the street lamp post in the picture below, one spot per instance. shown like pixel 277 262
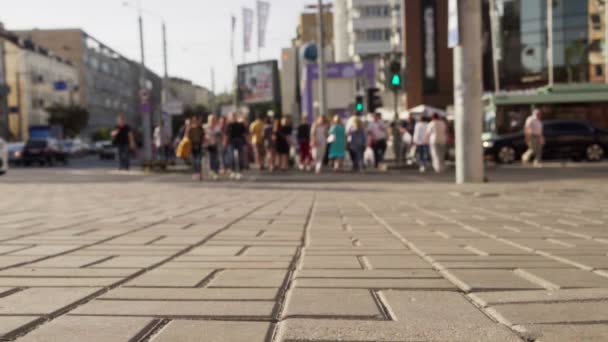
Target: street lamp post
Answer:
pixel 321 64
pixel 144 100
pixel 468 89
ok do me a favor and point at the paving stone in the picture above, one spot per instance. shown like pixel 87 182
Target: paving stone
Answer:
pixel 193 294
pixel 368 274
pixel 228 264
pixel 489 280
pixel 338 262
pixel 216 250
pixel 397 262
pixel 377 283
pixel 332 303
pixel 69 261
pixel 418 318
pixel 46 250
pixel 169 278
pixel 213 331
pixel 562 295
pixel 570 278
pixel 9 324
pixel 249 278
pixel 130 262
pixel 552 313
pixel 78 329
pixel 41 301
pixel 567 332
pixel 163 308
pixel 56 282
pixel 66 272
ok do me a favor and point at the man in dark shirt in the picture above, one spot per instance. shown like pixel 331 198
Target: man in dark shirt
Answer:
pixel 304 144
pixel 236 140
pixel 123 139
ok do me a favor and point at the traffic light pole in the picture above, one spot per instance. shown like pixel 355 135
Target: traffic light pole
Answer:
pixel 396 132
pixel 322 74
pixel 467 95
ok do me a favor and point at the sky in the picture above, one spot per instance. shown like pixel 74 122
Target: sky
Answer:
pixel 198 30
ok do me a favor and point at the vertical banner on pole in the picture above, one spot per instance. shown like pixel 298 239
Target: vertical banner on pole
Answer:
pixel 232 31
pixel 247 28
pixel 453 24
pixel 263 8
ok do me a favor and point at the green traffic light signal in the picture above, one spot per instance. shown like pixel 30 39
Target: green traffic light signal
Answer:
pixel 359 107
pixel 396 80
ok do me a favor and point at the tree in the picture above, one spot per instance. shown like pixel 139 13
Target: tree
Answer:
pixel 73 119
pixel 102 134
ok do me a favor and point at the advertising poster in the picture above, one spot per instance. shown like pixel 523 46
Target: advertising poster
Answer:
pixel 258 83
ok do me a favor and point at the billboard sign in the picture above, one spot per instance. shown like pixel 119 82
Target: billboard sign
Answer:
pixel 258 83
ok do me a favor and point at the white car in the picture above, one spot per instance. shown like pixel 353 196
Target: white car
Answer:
pixel 3 157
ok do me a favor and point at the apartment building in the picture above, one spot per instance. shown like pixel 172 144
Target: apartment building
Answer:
pixel 38 79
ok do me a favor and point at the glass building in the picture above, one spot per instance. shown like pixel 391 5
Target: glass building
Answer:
pixel 523 42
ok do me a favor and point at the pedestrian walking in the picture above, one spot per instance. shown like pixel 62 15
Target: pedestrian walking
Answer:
pixel 337 137
pixel 196 135
pixel 269 144
pixel 303 137
pixel 356 143
pixel 378 135
pixel 214 134
pixel 162 141
pixel 256 130
pixel 422 144
pixel 318 134
pixel 282 138
pixel 533 131
pixel 235 141
pixel 124 140
pixel 437 135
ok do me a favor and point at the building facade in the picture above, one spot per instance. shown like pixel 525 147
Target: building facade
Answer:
pixel 182 90
pixel 38 79
pixel 363 29
pixel 105 77
pixel 203 96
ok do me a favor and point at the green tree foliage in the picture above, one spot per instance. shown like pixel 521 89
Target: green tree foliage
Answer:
pixel 73 119
pixel 102 134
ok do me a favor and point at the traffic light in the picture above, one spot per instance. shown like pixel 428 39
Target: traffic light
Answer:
pixel 359 104
pixel 394 75
pixel 374 100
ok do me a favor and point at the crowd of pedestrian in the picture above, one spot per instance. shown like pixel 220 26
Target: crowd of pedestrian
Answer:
pixel 230 144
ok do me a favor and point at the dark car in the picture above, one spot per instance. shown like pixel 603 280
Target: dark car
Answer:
pixel 44 152
pixel 564 139
pixel 106 150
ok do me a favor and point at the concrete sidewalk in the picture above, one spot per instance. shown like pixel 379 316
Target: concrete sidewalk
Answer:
pixel 134 262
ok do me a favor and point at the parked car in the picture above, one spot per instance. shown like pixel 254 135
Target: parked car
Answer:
pixel 105 150
pixel 44 152
pixel 15 153
pixel 75 147
pixel 564 139
pixel 3 157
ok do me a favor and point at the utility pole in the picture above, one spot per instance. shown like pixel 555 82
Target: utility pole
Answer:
pixel 468 90
pixel 494 20
pixel 395 40
pixel 550 42
pixel 19 108
pixel 165 97
pixel 321 64
pixel 144 100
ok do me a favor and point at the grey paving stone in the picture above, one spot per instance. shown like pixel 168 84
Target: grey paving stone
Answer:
pixel 562 295
pixel 567 332
pixel 193 294
pixel 9 324
pixel 489 280
pixel 78 329
pixel 41 301
pixel 69 261
pixel 66 272
pixel 420 316
pixel 249 278
pixel 397 262
pixel 170 277
pixel 368 274
pixel 228 264
pixel 56 282
pixel 216 250
pixel 552 313
pixel 162 308
pixel 332 303
pixel 570 278
pixel 334 262
pixel 213 331
pixel 130 262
